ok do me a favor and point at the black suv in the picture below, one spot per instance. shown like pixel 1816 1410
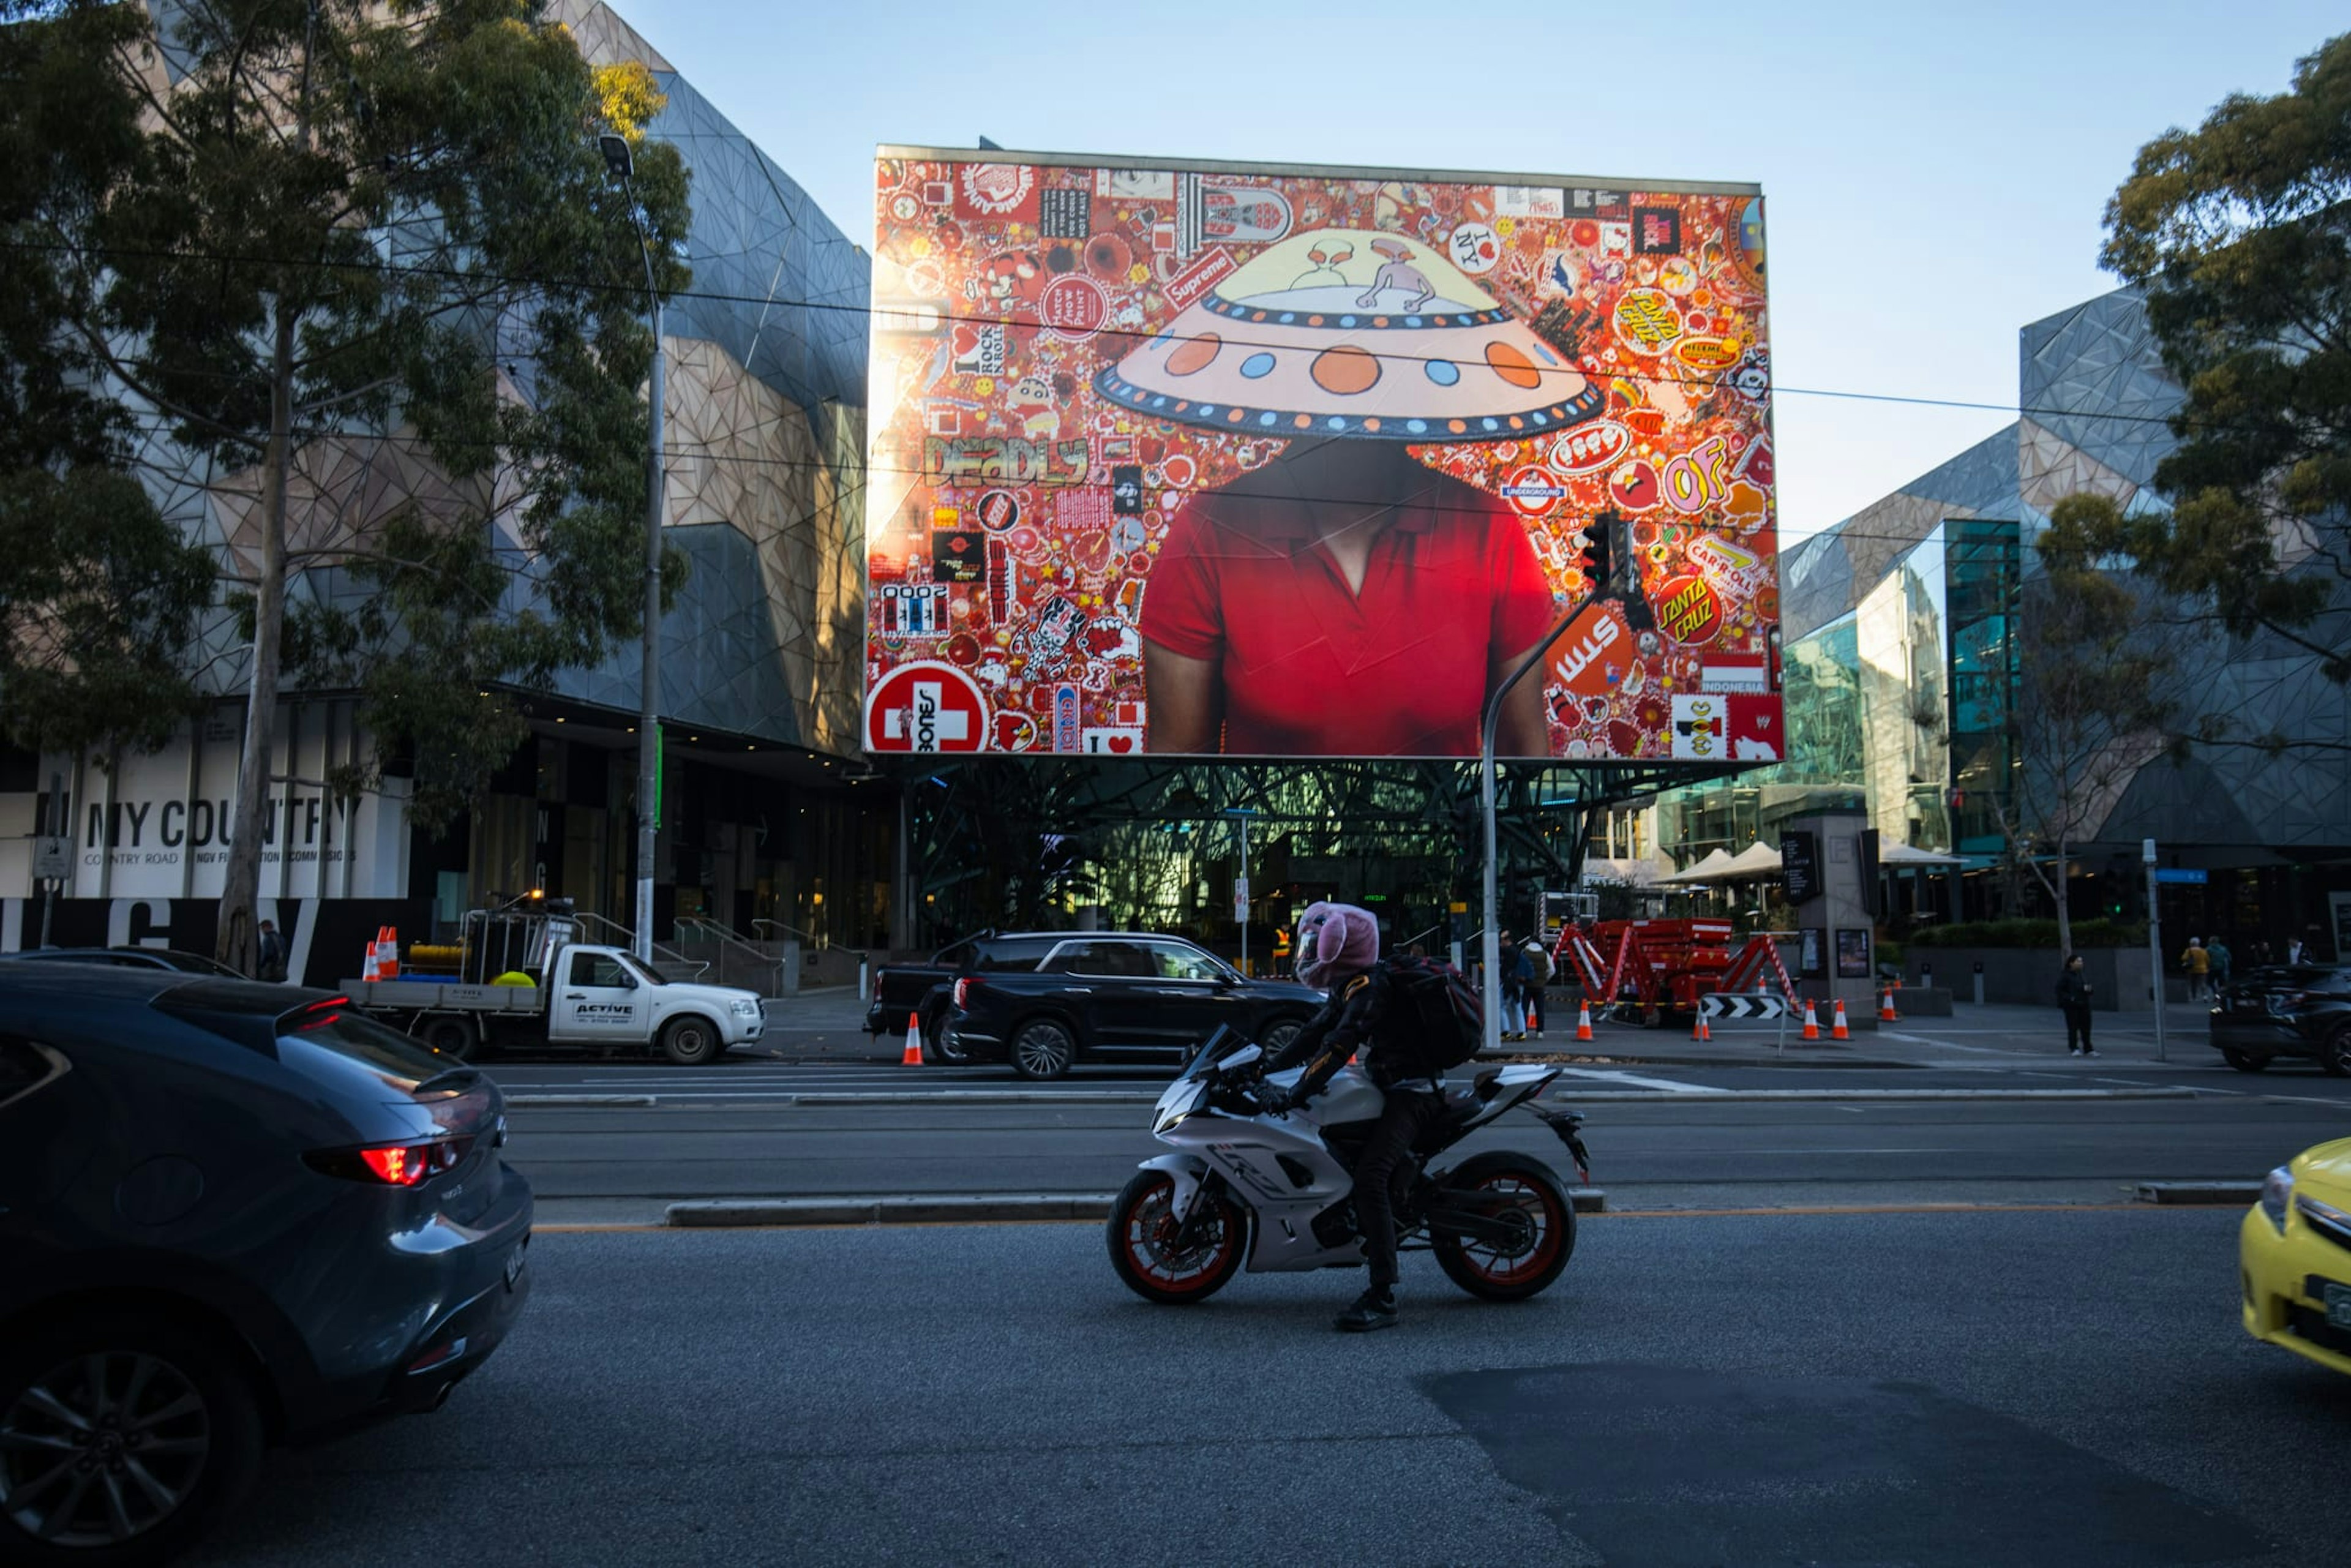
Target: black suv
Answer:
pixel 921 990
pixel 230 1214
pixel 1112 995
pixel 2302 1010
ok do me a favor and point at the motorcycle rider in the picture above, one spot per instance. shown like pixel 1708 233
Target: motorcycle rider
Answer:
pixel 1338 951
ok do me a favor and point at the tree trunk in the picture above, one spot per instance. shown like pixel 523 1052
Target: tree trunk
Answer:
pixel 2065 915
pixel 241 891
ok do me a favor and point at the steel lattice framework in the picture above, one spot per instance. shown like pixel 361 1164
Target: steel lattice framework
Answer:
pixel 1016 842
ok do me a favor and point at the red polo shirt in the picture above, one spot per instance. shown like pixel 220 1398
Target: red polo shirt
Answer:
pixel 1311 668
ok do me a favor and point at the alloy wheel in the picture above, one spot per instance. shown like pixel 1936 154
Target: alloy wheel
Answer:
pixel 1043 1051
pixel 1152 1249
pixel 102 1448
pixel 1534 1238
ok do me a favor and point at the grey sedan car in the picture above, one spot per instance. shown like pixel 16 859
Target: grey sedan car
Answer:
pixel 230 1215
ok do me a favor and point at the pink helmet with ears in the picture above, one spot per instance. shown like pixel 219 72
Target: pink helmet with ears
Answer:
pixel 1335 939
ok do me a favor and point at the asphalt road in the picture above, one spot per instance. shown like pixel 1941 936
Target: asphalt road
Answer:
pixel 1946 1390
pixel 750 1130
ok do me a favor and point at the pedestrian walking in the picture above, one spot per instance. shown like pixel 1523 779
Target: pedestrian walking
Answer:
pixel 1514 1008
pixel 2197 963
pixel 269 960
pixel 2073 1002
pixel 1533 980
pixel 2293 950
pixel 2222 961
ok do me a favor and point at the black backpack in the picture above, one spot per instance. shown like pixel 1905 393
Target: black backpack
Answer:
pixel 1443 1023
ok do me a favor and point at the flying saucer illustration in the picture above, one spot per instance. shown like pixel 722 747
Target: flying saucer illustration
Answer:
pixel 1357 333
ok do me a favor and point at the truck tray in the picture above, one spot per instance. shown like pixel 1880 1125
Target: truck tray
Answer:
pixel 452 996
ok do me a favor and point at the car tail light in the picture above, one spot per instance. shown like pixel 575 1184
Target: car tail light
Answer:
pixel 317 1015
pixel 392 1165
pixel 963 987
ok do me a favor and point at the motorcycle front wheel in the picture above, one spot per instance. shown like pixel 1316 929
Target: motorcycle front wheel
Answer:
pixel 1150 1259
pixel 1509 1185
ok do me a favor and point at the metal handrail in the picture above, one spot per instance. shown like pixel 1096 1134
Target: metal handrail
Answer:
pixel 722 933
pixel 629 938
pixel 810 937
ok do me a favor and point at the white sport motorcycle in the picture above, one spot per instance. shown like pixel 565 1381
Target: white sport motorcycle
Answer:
pixel 1272 1192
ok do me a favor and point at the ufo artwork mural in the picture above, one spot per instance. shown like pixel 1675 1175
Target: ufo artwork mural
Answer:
pixel 1292 462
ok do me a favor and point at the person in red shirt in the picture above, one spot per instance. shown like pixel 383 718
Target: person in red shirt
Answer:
pixel 1343 600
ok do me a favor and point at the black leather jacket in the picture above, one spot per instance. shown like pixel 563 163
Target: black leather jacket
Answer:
pixel 1361 1014
pixel 2073 989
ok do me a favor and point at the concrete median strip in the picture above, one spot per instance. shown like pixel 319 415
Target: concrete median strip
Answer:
pixel 1730 1096
pixel 728 1213
pixel 1694 1096
pixel 2209 1194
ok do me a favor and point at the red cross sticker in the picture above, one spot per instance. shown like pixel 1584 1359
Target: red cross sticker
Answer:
pixel 926 706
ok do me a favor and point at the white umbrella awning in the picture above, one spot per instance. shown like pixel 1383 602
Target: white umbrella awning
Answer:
pixel 1902 854
pixel 1707 870
pixel 1755 861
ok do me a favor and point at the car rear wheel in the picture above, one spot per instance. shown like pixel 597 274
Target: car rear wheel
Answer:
pixel 936 1047
pixel 2243 1060
pixel 2335 1056
pixel 451 1034
pixel 1043 1049
pixel 1280 1033
pixel 123 1440
pixel 692 1042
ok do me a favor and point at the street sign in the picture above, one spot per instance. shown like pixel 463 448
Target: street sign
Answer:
pixel 2185 876
pixel 52 858
pixel 1800 867
pixel 1739 1005
pixel 1241 899
pixel 926 706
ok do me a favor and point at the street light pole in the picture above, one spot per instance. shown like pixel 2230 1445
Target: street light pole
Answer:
pixel 618 161
pixel 2154 944
pixel 1489 942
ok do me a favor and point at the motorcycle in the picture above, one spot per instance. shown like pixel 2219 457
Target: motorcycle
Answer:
pixel 1270 1193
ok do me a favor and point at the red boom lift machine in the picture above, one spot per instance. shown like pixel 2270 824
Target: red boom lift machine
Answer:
pixel 1667 966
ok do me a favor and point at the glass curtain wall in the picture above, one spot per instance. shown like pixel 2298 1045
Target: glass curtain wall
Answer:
pixel 1984 563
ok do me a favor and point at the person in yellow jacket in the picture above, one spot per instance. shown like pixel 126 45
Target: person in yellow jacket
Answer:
pixel 2199 964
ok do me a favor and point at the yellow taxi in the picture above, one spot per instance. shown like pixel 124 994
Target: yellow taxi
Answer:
pixel 2294 1254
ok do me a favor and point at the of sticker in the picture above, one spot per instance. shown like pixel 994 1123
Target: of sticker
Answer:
pixel 1474 248
pixel 1687 609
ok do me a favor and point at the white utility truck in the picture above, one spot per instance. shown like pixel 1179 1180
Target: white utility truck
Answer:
pixel 525 978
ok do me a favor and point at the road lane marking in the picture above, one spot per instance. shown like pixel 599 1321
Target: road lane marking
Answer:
pixel 1799 1211
pixel 1668 1085
pixel 2305 1100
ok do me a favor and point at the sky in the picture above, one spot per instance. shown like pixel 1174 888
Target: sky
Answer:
pixel 1934 175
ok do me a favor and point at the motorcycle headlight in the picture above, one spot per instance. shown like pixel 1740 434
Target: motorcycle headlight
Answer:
pixel 744 1007
pixel 2277 1191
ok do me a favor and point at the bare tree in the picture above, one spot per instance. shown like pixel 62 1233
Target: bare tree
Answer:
pixel 2097 694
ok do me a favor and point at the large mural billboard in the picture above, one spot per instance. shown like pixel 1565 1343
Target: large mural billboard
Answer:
pixel 1286 461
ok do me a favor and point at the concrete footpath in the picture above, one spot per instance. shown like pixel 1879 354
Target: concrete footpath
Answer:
pixel 829 1025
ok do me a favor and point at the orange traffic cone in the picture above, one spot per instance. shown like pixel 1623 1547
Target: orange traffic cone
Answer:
pixel 1531 1026
pixel 1698 1029
pixel 1886 1013
pixel 1812 1022
pixel 369 974
pixel 387 963
pixel 1584 1020
pixel 1836 1025
pixel 913 1052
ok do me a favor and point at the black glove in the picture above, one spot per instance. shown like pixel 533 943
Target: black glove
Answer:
pixel 1274 1098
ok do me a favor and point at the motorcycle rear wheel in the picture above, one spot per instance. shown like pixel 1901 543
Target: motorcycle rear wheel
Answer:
pixel 1142 1231
pixel 1525 1268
